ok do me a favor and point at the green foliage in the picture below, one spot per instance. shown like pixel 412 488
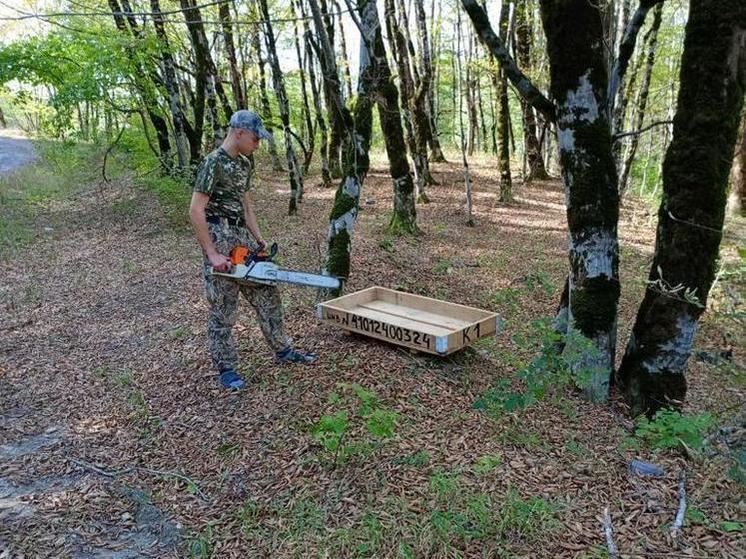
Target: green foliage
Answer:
pixel 486 464
pixel 330 430
pixel 478 516
pixel 534 280
pixel 200 544
pixel 333 429
pixel 669 429
pixel 62 168
pixel 550 371
pixel 386 245
pixel 418 459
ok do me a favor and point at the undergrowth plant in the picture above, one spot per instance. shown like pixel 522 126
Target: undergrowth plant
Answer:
pixel 670 429
pixel 561 361
pixel 357 409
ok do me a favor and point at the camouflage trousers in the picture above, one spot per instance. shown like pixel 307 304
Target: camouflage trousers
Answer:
pixel 222 294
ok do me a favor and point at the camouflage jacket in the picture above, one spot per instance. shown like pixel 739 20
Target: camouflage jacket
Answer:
pixel 225 179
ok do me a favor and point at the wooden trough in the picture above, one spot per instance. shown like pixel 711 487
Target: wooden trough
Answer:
pixel 413 321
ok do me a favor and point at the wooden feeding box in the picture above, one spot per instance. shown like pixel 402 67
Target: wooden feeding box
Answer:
pixel 413 321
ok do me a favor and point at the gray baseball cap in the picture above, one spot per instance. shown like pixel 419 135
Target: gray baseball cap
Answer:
pixel 249 120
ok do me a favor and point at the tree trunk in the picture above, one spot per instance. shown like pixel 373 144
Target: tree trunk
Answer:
pixel 343 46
pixel 503 127
pixel 579 86
pixel 146 89
pixel 532 149
pixel 326 178
pixel 239 95
pixel 181 124
pixel 643 100
pixel 333 96
pixel 417 149
pixel 205 67
pixel 311 133
pixel 690 219
pixel 462 136
pixel 471 103
pixel 737 198
pixel 266 107
pixel 294 173
pixel 424 87
pixel 380 82
pixel 357 142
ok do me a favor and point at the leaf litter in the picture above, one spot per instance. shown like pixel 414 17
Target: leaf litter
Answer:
pixel 108 345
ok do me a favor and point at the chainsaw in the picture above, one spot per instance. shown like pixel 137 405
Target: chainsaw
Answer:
pixel 257 267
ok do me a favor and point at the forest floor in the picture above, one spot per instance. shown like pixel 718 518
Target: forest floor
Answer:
pixel 116 441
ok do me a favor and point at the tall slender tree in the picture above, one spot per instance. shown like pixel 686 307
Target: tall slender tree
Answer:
pixel 524 42
pixel 503 115
pixel 264 100
pixel 651 43
pixel 239 94
pixel 294 172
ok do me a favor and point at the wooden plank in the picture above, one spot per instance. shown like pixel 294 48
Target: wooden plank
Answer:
pixel 380 316
pixel 428 304
pixel 354 299
pixel 400 335
pixel 416 315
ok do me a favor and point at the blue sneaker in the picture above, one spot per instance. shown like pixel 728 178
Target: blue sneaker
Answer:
pixel 231 380
pixel 290 355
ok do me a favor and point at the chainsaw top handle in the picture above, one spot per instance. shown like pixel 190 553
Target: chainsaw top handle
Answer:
pixel 262 254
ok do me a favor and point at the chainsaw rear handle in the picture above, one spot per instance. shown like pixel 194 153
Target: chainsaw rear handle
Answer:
pixel 242 255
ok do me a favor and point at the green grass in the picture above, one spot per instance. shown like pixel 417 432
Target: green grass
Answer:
pixel 61 169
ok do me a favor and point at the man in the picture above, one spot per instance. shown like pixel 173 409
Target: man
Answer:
pixel 222 214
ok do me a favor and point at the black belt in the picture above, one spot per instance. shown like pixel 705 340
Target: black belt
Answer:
pixel 235 221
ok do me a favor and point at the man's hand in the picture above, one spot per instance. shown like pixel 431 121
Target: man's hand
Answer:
pixel 220 262
pixel 262 243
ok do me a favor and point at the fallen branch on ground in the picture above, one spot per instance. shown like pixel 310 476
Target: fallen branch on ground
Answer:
pixel 609 533
pixel 161 473
pixel 679 521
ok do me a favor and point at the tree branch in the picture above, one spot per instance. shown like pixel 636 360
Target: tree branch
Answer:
pixel 620 135
pixel 495 45
pixel 679 521
pixel 609 533
pixel 626 48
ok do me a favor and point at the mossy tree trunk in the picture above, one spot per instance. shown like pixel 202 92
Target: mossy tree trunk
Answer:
pixel 356 144
pixel 400 54
pixel 380 81
pixel 579 86
pixel 503 141
pixel 294 173
pixel 690 219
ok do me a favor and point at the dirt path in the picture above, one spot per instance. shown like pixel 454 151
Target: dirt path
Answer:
pixel 115 440
pixel 15 151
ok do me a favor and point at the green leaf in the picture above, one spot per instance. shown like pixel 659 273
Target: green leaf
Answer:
pixel 729 526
